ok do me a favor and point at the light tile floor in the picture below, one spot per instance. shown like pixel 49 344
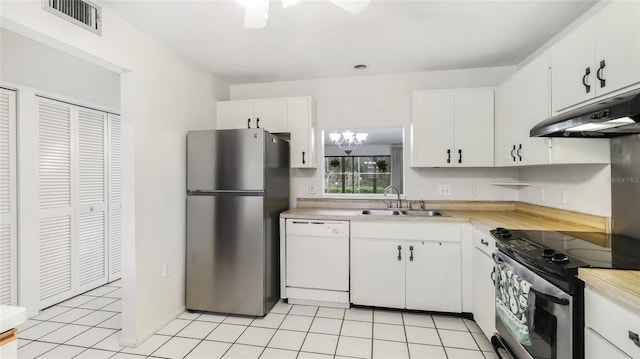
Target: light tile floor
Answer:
pixel 88 326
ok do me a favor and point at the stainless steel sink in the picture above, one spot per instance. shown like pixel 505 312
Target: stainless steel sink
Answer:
pixel 380 212
pixel 424 213
pixel 413 213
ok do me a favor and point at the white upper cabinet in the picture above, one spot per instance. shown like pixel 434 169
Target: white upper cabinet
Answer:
pixel 599 57
pixel 294 115
pixel 303 132
pixel 452 128
pixel 270 114
pixel 521 102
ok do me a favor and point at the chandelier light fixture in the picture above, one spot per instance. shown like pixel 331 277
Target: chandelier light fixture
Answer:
pixel 348 140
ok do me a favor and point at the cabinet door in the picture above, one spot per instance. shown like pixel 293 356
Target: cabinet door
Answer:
pixel 8 197
pixel 617 43
pixel 483 302
pixel 272 115
pixel 302 133
pixel 473 135
pixel 532 106
pixel 570 59
pixel 506 121
pixel 377 272
pixel 596 347
pixel 432 129
pixel 433 276
pixel 235 114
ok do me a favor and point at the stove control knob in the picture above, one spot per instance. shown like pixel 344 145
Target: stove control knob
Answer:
pixel 559 258
pixel 548 253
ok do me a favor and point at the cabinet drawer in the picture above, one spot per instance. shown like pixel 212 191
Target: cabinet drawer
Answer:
pixel 612 321
pixel 596 347
pixel 484 242
pixel 441 232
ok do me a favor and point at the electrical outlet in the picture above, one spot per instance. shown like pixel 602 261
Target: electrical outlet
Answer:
pixel 541 195
pixel 165 271
pixel 563 196
pixel 473 190
pixel 444 190
pixel 311 189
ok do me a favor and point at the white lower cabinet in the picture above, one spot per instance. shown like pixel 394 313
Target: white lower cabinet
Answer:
pixel 610 327
pixel 483 299
pixel 406 265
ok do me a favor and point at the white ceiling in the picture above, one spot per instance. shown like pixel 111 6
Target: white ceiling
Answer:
pixel 316 39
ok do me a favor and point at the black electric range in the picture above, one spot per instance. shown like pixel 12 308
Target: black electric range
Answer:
pixel 558 254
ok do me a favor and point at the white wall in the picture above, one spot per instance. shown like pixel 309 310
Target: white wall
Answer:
pixel 162 96
pixel 588 187
pixel 385 100
pixel 32 64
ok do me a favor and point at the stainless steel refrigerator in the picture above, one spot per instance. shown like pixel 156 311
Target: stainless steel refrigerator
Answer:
pixel 237 186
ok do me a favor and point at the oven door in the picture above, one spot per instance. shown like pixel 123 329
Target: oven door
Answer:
pixel 551 335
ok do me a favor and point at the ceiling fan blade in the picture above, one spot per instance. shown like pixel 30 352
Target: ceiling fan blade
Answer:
pixel 256 14
pixel 353 6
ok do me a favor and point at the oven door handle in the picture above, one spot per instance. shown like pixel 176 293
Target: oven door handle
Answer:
pixel 550 298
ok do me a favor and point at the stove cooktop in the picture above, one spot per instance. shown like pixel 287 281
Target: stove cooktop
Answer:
pixel 570 250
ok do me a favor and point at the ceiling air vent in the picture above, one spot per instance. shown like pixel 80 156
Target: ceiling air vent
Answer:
pixel 80 12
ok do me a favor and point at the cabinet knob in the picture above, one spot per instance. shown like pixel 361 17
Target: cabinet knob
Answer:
pixel 484 243
pixel 399 253
pixel 248 123
pixel 303 160
pixel 459 155
pixel 512 155
pixel 258 122
pixel 448 156
pixel 411 255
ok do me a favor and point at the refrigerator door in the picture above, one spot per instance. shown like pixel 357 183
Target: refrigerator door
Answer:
pixel 226 254
pixel 226 160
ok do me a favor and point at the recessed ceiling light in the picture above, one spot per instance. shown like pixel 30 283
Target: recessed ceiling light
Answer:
pixel 360 67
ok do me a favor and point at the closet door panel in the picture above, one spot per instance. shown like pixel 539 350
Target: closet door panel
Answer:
pixel 115 196
pixel 8 223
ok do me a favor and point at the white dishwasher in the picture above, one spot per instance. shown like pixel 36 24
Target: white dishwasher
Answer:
pixel 317 262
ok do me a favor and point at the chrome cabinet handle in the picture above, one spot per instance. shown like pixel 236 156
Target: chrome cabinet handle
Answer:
pixel 512 155
pixel 448 156
pixel 587 87
pixel 603 82
pixel 248 123
pixel 399 252
pixel 634 338
pixel 518 152
pixel 459 156
pixel 484 243
pixel 411 255
pixel 303 161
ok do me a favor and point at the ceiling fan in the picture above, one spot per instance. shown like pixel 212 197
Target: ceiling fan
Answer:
pixel 257 11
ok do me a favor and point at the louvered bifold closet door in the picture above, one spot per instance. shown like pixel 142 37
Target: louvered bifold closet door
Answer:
pixel 8 238
pixel 56 198
pixel 115 196
pixel 91 197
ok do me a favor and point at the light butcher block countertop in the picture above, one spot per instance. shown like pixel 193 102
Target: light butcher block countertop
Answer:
pixel 621 285
pixel 487 215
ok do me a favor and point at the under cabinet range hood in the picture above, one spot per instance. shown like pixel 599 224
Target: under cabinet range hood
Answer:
pixel 616 116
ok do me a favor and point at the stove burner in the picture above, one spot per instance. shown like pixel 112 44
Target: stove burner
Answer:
pixel 559 258
pixel 548 253
pixel 503 233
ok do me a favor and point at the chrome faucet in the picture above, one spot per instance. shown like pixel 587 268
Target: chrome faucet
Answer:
pixel 399 203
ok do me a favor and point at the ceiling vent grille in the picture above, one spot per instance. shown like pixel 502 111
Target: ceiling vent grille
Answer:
pixel 80 12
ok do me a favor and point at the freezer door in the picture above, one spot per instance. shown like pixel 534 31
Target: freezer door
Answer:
pixel 226 254
pixel 226 160
pixel 625 185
